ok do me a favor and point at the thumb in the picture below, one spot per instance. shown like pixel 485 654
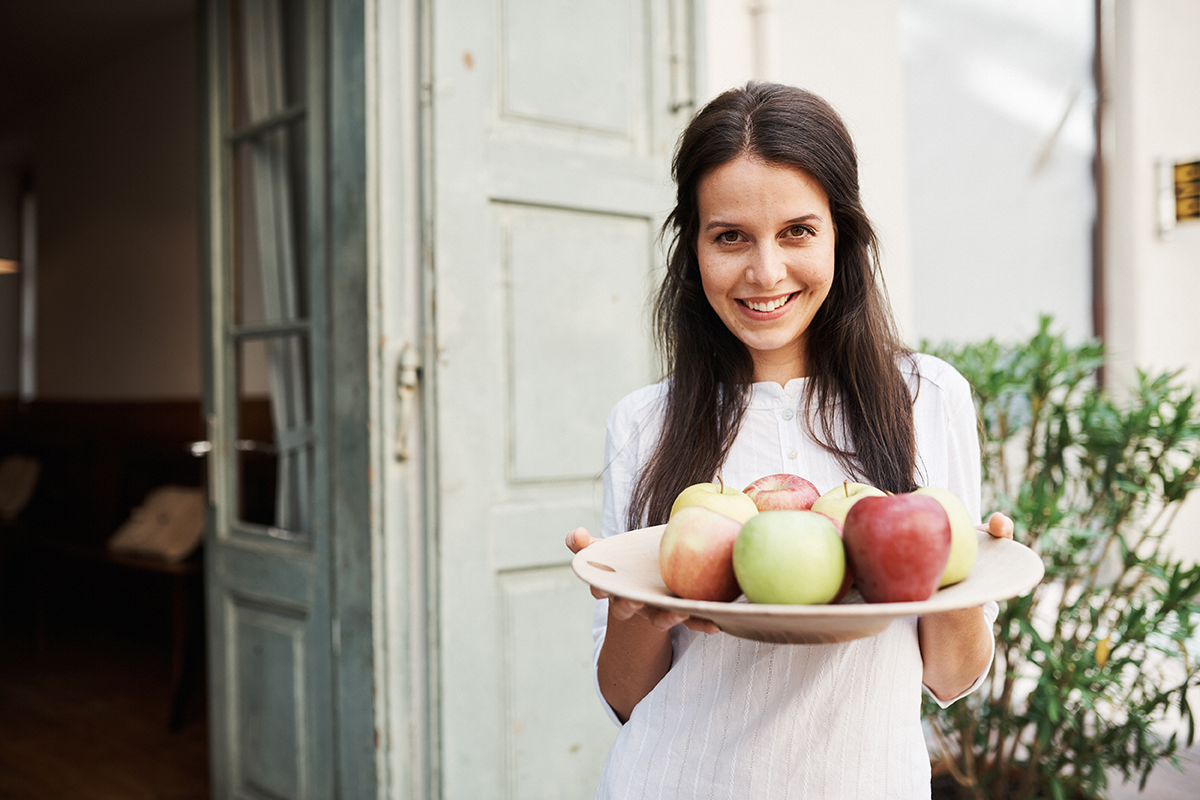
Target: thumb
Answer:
pixel 578 539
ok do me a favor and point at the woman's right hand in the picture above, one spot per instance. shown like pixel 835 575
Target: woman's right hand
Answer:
pixel 623 610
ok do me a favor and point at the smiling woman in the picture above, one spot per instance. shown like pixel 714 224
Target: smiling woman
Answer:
pixel 781 357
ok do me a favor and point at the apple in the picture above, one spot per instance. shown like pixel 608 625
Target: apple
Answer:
pixel 792 557
pixel 782 491
pixel 695 555
pixel 898 546
pixel 716 497
pixel 838 500
pixel 848 581
pixel 964 540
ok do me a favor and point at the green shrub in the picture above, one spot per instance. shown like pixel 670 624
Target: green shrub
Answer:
pixel 1092 667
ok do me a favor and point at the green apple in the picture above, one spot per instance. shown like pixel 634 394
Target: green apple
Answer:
pixel 838 500
pixel 716 497
pixel 789 557
pixel 964 540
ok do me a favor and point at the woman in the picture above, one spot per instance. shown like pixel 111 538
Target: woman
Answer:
pixel 782 357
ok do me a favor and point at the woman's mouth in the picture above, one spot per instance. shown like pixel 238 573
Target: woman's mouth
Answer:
pixel 767 306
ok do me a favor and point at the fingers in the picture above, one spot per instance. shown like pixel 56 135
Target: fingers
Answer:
pixel 578 539
pixel 999 526
pixel 622 609
pixel 663 619
pixel 701 625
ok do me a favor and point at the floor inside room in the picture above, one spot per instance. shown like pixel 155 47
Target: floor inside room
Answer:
pixel 86 693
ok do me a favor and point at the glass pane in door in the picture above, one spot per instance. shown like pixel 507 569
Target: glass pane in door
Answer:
pixel 270 278
pixel 268 58
pixel 274 435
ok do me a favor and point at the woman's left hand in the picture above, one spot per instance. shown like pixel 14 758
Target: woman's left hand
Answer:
pixel 999 526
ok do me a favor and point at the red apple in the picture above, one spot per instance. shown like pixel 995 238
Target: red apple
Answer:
pixel 782 492
pixel 898 546
pixel 695 556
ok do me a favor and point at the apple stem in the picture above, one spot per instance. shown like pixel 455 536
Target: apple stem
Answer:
pixel 846 487
pixel 721 483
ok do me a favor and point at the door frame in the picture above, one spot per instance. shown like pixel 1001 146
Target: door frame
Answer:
pixel 403 376
pixel 344 187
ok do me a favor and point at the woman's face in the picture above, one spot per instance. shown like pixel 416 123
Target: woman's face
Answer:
pixel 766 252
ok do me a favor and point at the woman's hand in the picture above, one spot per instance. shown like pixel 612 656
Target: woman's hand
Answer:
pixel 998 525
pixel 623 610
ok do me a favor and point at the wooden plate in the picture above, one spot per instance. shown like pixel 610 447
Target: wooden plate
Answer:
pixel 626 565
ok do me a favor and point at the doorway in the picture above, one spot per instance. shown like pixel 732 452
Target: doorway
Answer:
pixel 102 686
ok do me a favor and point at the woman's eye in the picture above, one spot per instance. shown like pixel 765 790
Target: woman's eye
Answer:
pixel 727 236
pixel 799 230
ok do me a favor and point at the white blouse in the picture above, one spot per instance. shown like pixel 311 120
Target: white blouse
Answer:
pixel 740 719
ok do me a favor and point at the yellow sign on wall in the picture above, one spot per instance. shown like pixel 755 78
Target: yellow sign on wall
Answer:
pixel 1187 191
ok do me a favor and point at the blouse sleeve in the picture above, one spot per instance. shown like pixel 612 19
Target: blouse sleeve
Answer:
pixel 963 478
pixel 621 458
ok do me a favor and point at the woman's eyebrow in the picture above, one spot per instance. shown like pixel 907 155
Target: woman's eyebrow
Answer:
pixel 716 223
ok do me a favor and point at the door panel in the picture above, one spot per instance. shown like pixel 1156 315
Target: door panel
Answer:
pixel 552 127
pixel 545 758
pixel 576 286
pixel 267 552
pixel 268 693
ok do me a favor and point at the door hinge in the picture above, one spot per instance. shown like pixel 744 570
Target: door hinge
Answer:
pixel 408 380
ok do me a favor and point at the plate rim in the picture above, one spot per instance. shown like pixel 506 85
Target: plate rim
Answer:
pixel 705 609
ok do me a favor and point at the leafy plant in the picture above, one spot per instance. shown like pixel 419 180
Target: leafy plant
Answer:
pixel 1093 666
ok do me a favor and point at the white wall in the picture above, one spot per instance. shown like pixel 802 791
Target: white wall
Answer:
pixel 999 129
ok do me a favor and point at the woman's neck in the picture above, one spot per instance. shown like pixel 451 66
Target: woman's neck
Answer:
pixel 777 368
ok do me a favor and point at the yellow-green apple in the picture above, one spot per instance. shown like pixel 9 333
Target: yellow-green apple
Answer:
pixel 791 557
pixel 782 491
pixel 964 540
pixel 838 500
pixel 716 497
pixel 898 546
pixel 695 555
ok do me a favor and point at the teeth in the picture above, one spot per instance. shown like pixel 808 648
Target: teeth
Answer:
pixel 768 306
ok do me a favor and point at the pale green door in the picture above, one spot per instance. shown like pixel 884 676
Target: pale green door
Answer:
pixel 551 126
pixel 288 610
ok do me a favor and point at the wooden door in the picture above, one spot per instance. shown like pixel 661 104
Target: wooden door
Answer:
pixel 552 127
pixel 288 612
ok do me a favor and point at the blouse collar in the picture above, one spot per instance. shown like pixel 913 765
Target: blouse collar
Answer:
pixel 769 394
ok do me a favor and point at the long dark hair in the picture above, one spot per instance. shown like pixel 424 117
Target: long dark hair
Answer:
pixel 852 342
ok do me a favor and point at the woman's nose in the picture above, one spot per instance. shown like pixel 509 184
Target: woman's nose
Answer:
pixel 767 267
